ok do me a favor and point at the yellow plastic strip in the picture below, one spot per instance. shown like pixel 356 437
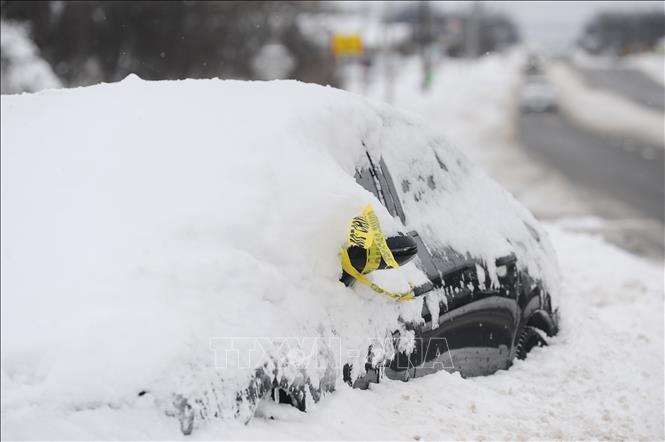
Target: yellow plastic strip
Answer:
pixel 359 233
pixel 379 239
pixel 365 232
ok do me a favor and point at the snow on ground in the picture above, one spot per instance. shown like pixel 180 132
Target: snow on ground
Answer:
pixel 183 211
pixel 600 378
pixel 602 110
pixel 651 64
pixel 612 296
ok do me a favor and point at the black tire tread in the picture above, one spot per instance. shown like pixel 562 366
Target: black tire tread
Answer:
pixel 529 338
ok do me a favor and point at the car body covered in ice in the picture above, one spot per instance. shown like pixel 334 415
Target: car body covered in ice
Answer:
pixel 182 241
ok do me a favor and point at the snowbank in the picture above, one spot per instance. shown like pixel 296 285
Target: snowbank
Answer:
pixel 604 111
pixel 652 65
pixel 601 378
pixel 141 219
pixel 23 70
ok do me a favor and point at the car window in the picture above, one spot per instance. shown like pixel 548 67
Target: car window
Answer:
pixel 442 258
pixel 390 194
pixel 365 179
pixel 376 178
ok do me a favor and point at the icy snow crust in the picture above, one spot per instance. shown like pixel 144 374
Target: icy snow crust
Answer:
pixel 141 219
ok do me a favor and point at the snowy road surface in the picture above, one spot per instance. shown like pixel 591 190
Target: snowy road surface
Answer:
pixel 624 168
pixel 630 83
pixel 607 140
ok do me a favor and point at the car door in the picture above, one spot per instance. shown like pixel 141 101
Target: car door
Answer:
pixel 473 328
pixel 376 179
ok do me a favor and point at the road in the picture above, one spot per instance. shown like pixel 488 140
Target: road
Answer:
pixel 626 169
pixel 628 83
pixel 622 169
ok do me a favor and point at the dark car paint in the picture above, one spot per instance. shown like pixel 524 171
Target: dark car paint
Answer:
pixel 478 327
pixel 477 333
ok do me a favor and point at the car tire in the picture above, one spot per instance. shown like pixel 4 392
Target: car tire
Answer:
pixel 529 338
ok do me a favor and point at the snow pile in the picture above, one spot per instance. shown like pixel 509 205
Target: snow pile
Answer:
pixel 651 64
pixel 141 219
pixel 23 70
pixel 604 111
pixel 601 378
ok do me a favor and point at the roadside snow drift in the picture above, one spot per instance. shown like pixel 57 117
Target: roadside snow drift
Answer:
pixel 141 219
pixel 605 111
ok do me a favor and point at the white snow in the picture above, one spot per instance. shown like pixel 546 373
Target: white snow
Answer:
pixel 605 111
pixel 605 378
pixel 135 231
pixel 651 64
pixel 23 70
pixel 601 378
pixel 133 276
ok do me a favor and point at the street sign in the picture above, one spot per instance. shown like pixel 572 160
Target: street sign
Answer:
pixel 346 45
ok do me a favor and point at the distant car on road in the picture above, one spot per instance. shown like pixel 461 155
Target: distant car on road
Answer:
pixel 538 95
pixel 533 65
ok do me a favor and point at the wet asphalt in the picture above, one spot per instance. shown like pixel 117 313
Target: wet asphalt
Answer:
pixel 605 168
pixel 620 167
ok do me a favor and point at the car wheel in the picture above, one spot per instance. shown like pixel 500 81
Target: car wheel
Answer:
pixel 531 337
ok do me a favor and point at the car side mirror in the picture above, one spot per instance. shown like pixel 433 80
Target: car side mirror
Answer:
pixel 403 247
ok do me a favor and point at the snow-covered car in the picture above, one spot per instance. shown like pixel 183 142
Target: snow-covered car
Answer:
pixel 177 245
pixel 538 95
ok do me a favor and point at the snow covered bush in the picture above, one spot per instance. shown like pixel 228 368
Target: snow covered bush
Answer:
pixel 23 70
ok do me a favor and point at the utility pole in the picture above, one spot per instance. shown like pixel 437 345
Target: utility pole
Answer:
pixel 387 53
pixel 425 39
pixel 472 30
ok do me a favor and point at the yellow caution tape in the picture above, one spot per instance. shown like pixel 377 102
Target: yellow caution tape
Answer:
pixel 365 232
